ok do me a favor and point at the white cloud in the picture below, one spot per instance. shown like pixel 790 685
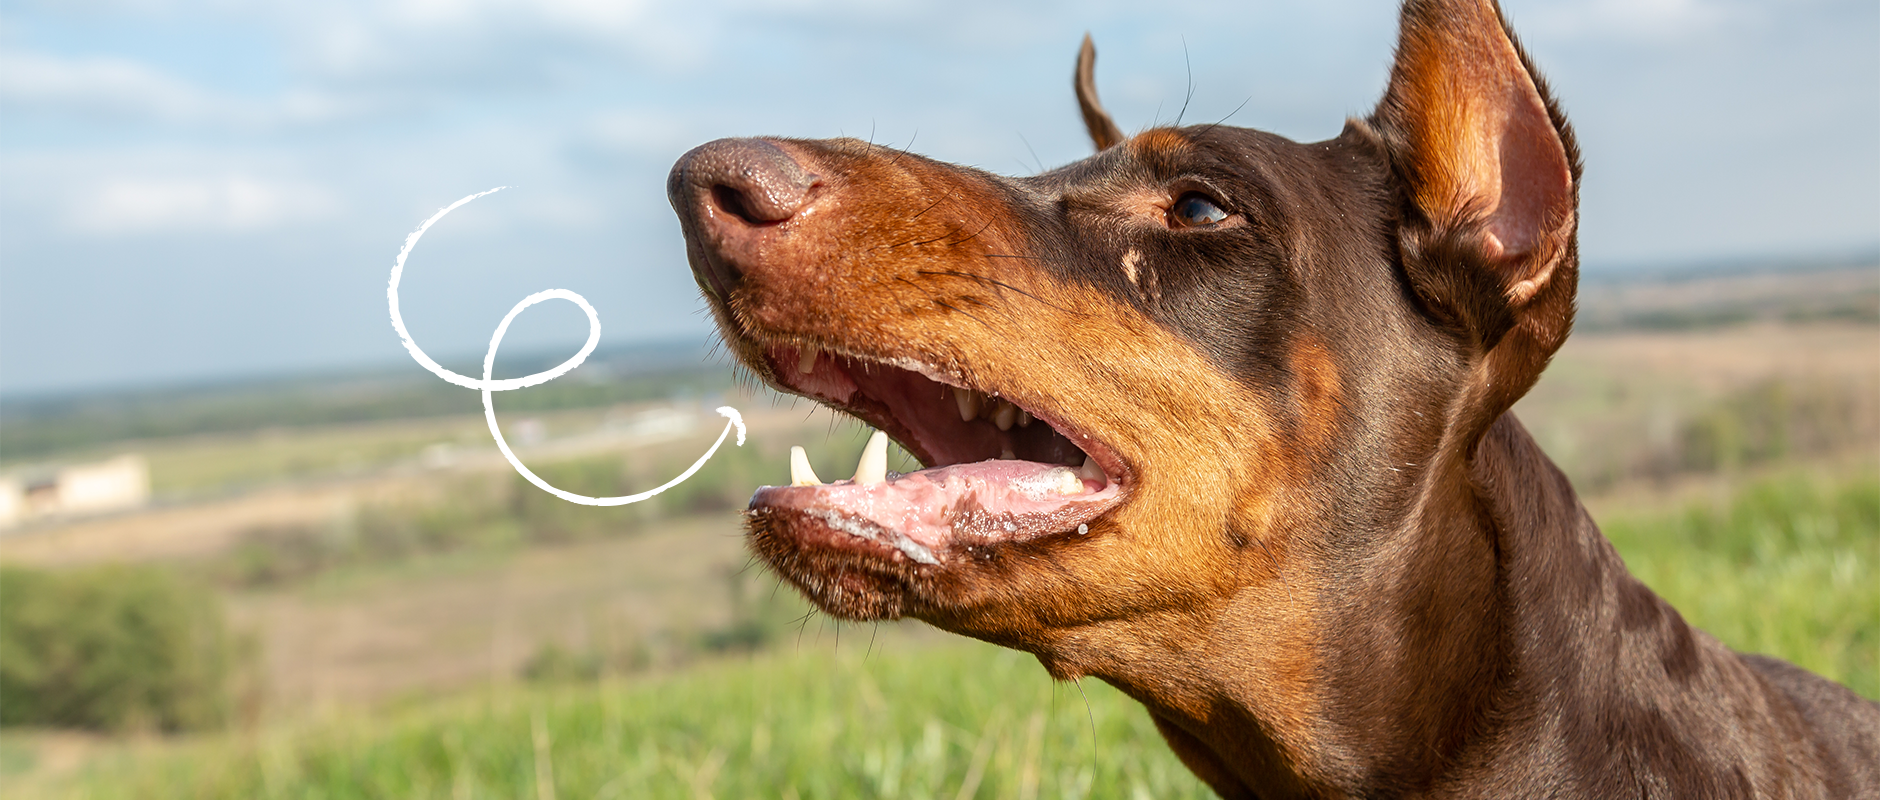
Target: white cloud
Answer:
pixel 1625 19
pixel 103 86
pixel 234 203
pixel 122 89
pixel 639 132
pixel 580 15
pixel 430 44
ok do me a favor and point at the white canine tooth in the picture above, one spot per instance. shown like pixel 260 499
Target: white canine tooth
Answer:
pixel 1090 470
pixel 1004 415
pixel 800 473
pixel 1024 418
pixel 969 402
pixel 806 359
pixel 873 468
pixel 1065 481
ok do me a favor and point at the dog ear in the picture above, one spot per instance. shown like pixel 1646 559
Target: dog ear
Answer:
pixel 1102 129
pixel 1491 175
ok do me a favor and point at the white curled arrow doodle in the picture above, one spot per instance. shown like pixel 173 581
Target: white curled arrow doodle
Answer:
pixel 488 385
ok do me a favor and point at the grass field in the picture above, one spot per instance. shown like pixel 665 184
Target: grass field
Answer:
pixel 958 720
pixel 1783 564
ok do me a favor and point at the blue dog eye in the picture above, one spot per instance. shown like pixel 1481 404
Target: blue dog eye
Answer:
pixel 1193 210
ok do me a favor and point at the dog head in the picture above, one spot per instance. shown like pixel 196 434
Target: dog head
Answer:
pixel 1170 397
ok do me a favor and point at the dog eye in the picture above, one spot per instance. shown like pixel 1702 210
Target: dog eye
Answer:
pixel 1195 210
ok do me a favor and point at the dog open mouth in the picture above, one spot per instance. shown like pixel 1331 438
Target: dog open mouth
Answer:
pixel 870 281
pixel 997 469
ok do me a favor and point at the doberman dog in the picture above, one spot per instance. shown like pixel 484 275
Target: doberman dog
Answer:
pixel 1222 419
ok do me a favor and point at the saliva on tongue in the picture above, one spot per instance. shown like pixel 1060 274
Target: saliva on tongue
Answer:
pixel 919 512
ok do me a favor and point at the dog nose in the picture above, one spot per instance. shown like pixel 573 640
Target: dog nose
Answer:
pixel 750 179
pixel 727 193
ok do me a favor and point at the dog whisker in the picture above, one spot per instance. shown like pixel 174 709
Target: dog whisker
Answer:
pixel 1189 65
pixel 949 232
pixel 994 282
pixel 975 234
pixel 1034 153
pixel 931 206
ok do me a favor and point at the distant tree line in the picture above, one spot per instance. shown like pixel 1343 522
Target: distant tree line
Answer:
pixel 43 426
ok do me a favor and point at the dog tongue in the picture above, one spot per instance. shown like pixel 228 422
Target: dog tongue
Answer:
pixel 921 513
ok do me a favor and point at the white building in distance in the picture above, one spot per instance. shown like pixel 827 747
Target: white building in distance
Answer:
pixel 117 484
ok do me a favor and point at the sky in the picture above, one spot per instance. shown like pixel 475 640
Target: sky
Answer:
pixel 208 189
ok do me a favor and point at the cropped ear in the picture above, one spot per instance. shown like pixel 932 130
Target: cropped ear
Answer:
pixel 1491 175
pixel 1102 129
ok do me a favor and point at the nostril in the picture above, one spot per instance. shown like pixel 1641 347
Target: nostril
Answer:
pixel 736 203
pixel 751 180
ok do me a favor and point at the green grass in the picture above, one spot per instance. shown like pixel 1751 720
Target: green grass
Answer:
pixel 1784 565
pixel 1788 566
pixel 945 721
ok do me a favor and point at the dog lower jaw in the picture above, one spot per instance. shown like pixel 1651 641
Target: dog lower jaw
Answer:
pixel 847 577
pixel 932 515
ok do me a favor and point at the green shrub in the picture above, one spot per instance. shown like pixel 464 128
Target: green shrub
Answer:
pixel 275 554
pixel 545 518
pixel 111 648
pixel 1768 421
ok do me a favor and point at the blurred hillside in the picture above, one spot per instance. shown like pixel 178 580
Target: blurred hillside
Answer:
pixel 36 426
pixel 366 548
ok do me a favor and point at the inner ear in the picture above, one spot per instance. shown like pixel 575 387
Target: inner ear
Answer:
pixel 1535 181
pixel 1476 140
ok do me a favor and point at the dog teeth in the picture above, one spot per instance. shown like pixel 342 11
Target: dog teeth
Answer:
pixel 1006 454
pixel 800 473
pixel 1066 481
pixel 873 468
pixel 806 359
pixel 974 405
pixel 1090 470
pixel 970 402
pixel 1004 415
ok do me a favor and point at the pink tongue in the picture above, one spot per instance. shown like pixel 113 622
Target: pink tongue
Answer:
pixel 921 512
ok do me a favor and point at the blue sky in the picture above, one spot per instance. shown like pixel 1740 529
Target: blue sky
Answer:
pixel 200 189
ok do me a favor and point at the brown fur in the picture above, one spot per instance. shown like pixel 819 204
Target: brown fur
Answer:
pixel 1340 567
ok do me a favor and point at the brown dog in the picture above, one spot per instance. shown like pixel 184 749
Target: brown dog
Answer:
pixel 1222 419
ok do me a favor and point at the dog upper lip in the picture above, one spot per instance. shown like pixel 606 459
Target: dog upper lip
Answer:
pixel 1106 458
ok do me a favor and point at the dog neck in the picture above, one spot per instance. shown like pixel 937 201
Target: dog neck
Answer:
pixel 1433 646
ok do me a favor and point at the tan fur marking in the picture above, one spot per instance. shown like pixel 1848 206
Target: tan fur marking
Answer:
pixel 1158 140
pixel 1319 394
pixel 1157 577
